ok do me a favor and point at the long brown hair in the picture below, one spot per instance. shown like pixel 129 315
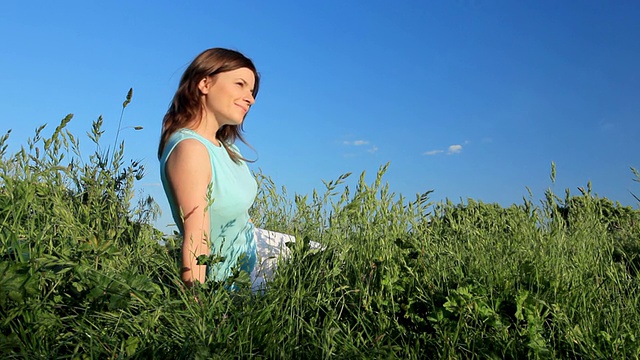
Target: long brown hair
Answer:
pixel 186 107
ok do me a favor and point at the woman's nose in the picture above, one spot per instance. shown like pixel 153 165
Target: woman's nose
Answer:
pixel 249 99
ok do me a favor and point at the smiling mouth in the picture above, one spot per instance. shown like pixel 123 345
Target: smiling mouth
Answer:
pixel 243 108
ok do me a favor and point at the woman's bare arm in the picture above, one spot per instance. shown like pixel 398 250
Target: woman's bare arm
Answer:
pixel 188 170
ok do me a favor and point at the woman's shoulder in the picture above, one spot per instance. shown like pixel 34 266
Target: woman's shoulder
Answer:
pixel 183 140
pixel 190 145
pixel 184 133
pixel 189 150
pixel 189 157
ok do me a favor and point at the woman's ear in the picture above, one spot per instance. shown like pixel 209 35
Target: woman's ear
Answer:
pixel 204 85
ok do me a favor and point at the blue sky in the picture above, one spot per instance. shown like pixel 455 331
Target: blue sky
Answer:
pixel 471 98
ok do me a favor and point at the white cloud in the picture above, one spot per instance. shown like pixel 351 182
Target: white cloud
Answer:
pixel 606 125
pixel 356 142
pixel 371 148
pixel 454 149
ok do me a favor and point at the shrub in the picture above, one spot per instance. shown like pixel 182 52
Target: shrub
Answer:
pixel 82 273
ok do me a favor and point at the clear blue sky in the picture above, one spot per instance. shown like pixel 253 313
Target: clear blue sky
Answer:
pixel 471 98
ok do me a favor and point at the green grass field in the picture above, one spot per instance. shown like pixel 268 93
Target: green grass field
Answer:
pixel 82 274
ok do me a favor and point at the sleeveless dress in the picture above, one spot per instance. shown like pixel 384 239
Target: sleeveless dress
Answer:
pixel 233 190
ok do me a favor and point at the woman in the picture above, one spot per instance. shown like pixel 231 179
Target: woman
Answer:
pixel 206 179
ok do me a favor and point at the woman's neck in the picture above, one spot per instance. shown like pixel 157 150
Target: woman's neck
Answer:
pixel 208 128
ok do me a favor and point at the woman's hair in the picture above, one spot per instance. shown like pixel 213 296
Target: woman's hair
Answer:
pixel 186 108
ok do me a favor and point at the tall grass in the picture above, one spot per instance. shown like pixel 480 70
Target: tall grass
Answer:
pixel 82 273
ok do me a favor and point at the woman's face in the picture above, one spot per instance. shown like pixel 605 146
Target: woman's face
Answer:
pixel 228 96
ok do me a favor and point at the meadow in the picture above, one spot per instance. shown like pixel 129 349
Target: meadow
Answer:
pixel 83 274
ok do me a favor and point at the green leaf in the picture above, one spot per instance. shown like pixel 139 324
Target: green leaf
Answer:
pixel 131 345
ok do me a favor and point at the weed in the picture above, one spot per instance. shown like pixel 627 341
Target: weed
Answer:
pixel 82 273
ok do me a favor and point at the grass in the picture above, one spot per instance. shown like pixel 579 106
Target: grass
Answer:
pixel 82 274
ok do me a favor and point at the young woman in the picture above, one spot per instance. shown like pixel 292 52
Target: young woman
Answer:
pixel 206 179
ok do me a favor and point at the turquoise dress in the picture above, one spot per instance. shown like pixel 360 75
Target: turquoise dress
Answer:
pixel 233 192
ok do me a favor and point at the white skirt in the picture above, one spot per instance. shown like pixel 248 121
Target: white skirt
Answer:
pixel 271 246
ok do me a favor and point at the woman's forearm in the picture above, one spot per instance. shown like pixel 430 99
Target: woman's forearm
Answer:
pixel 191 250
